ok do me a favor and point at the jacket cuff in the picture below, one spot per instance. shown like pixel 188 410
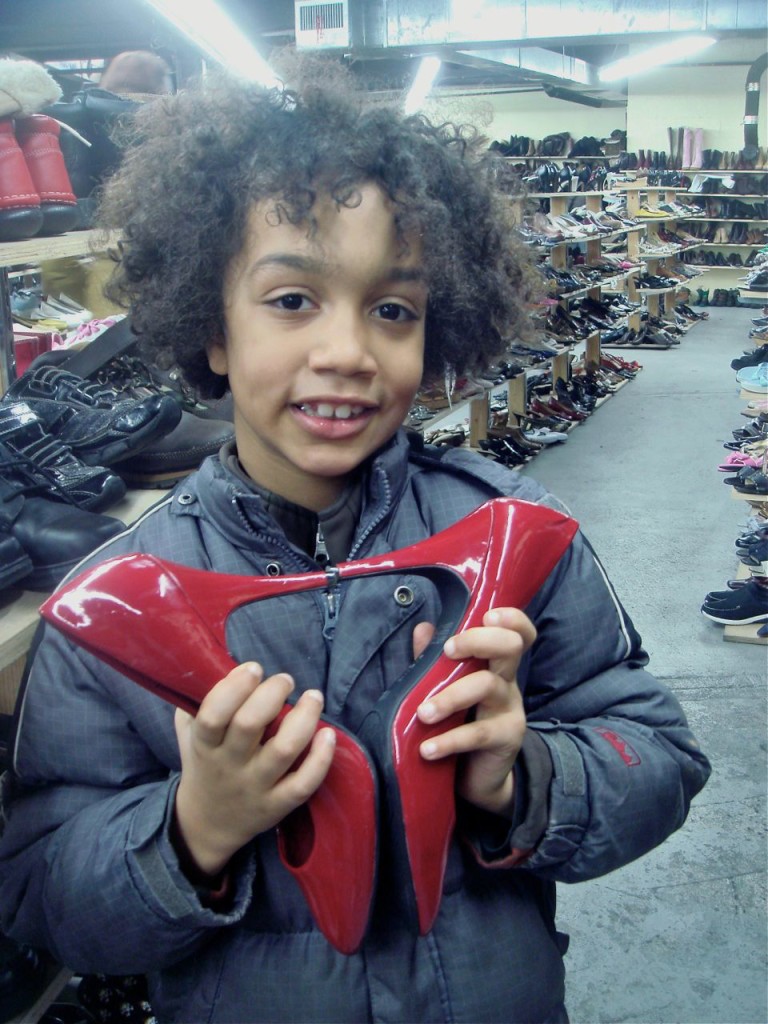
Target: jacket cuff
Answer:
pixel 497 842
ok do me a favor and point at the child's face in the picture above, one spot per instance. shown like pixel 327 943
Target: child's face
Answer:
pixel 324 344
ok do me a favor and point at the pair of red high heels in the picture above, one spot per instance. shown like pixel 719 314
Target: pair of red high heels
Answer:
pixel 125 610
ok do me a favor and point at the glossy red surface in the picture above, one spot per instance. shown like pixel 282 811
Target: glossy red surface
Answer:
pixel 163 625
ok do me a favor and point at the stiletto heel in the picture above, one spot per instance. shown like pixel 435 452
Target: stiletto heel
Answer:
pixel 124 610
pixel 507 548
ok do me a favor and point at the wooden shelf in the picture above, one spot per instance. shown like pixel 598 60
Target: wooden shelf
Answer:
pixel 725 195
pixel 53 247
pixel 19 615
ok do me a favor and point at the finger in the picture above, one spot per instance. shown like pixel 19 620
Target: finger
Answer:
pixel 223 700
pixel 500 735
pixel 293 737
pixel 481 689
pixel 297 786
pixel 256 719
pixel 422 634
pixel 512 618
pixel 479 641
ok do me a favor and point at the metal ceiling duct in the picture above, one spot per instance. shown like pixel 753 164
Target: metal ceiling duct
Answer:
pixel 512 35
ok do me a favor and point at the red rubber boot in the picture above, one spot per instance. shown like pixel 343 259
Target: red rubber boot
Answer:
pixel 38 137
pixel 20 213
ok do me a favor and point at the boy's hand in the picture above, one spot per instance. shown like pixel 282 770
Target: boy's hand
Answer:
pixel 492 736
pixel 234 786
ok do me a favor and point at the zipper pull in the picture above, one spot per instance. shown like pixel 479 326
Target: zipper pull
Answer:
pixel 321 551
pixel 331 602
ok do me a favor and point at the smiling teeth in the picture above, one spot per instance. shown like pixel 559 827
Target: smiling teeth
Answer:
pixel 325 410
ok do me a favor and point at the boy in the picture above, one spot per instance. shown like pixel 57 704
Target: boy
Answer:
pixel 321 258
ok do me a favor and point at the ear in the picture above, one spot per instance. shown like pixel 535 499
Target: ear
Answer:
pixel 217 356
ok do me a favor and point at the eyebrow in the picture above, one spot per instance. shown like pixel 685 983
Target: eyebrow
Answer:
pixel 314 265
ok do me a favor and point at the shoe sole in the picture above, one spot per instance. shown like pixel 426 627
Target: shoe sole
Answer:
pixel 745 621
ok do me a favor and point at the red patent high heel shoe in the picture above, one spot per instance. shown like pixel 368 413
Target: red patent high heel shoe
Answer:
pixel 502 554
pixel 124 610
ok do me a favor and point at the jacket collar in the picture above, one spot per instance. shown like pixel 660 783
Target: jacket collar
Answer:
pixel 239 512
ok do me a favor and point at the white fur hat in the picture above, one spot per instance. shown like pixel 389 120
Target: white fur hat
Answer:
pixel 25 87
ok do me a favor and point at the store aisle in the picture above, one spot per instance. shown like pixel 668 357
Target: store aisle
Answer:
pixel 679 936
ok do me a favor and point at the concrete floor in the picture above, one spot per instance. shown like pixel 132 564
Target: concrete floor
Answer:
pixel 678 937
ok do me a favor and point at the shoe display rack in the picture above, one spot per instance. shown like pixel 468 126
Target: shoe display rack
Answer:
pixel 18 609
pixel 736 219
pixel 484 409
pixel 32 252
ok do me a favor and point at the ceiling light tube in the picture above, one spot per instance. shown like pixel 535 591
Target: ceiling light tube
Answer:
pixel 422 84
pixel 218 37
pixel 666 53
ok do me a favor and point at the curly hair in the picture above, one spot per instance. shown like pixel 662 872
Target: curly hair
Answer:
pixel 198 161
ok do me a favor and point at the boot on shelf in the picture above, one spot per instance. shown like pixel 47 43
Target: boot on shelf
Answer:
pixel 20 213
pixel 702 297
pixel 687 155
pixel 697 144
pixel 38 137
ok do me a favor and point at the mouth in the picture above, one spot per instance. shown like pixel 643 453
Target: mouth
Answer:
pixel 331 411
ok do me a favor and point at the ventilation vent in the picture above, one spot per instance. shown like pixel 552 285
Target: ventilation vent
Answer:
pixel 321 26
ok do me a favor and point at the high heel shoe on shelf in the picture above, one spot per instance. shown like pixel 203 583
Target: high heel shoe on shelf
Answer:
pixel 123 611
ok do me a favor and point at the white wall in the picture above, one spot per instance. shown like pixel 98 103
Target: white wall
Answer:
pixel 707 95
pixel 529 113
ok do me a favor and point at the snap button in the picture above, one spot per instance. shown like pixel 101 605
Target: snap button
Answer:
pixel 274 569
pixel 404 596
pixel 185 498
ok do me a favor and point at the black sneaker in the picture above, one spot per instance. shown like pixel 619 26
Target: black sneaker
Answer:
pixel 738 607
pixel 760 355
pixel 53 464
pixel 54 534
pixel 86 417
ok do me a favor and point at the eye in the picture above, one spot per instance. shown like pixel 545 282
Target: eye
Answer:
pixel 394 311
pixel 291 302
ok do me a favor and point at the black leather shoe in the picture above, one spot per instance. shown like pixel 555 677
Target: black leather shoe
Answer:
pixel 15 563
pixel 53 464
pixel 54 534
pixel 99 430
pixel 177 454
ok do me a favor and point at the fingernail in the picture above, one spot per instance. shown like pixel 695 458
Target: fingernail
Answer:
pixel 428 749
pixel 450 647
pixel 329 737
pixel 254 668
pixel 427 711
pixel 315 695
pixel 493 618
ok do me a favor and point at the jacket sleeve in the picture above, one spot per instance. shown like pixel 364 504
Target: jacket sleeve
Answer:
pixel 625 764
pixel 87 870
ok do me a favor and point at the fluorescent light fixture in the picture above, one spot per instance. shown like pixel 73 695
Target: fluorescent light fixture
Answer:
pixel 214 32
pixel 666 53
pixel 422 83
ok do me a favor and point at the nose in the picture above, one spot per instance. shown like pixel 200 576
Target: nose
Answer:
pixel 343 347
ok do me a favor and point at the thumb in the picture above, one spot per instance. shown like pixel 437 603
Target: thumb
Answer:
pixel 422 634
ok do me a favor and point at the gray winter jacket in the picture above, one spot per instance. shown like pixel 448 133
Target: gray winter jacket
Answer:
pixel 86 866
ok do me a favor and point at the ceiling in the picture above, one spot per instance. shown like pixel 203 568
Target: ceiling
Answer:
pixel 489 45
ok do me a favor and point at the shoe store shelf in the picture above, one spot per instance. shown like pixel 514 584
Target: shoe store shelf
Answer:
pixel 727 220
pixel 725 195
pixel 19 616
pixel 53 247
pixel 33 251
